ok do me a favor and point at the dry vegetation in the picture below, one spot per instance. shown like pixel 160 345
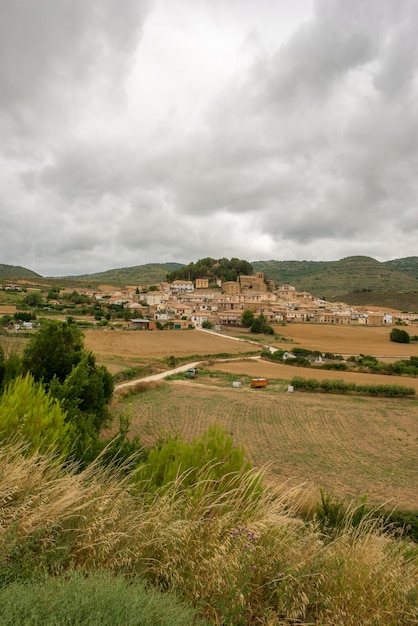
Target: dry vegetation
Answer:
pixel 240 557
pixel 347 339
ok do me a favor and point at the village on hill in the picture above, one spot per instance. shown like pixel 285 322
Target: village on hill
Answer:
pixel 187 304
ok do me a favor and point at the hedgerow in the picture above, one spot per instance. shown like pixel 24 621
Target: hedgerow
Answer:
pixel 340 386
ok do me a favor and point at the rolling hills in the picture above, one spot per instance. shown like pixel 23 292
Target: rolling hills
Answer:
pixel 356 279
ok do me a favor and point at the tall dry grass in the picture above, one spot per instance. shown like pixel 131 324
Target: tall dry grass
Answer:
pixel 241 555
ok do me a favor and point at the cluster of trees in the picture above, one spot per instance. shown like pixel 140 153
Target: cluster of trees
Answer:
pixel 55 393
pixel 258 325
pixel 214 269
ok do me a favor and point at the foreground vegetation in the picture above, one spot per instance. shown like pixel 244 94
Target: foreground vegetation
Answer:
pixel 179 532
pixel 237 553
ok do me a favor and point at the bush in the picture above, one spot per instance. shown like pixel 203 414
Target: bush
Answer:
pixel 96 599
pixel 399 336
pixel 175 456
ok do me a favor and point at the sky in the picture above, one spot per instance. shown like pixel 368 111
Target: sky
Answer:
pixel 152 131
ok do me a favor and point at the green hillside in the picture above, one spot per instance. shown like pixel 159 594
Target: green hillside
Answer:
pixel 15 272
pixel 402 301
pixel 330 279
pixel 408 265
pixel 147 274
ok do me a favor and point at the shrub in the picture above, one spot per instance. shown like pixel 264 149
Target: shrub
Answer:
pixel 95 599
pixel 399 335
pixel 175 456
pixel 32 415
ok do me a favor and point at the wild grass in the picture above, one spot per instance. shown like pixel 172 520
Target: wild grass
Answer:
pixel 242 556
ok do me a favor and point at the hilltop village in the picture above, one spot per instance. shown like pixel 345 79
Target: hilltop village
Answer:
pixel 186 304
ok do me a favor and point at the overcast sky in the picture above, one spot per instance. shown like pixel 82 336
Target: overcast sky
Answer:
pixel 141 131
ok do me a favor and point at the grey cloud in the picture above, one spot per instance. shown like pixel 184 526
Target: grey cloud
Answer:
pixel 311 153
pixel 56 54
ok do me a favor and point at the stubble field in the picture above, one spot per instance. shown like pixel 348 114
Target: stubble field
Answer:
pixel 350 445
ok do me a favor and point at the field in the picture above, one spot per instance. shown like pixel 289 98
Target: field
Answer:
pixel 347 339
pixel 121 349
pixel 349 445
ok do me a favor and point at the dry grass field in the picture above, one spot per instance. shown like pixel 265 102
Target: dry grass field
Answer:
pixel 347 339
pixel 158 344
pixel 121 349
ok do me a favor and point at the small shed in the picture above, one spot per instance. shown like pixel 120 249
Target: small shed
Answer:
pixel 139 324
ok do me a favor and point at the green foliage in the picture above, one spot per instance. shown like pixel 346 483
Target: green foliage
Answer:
pixel 399 335
pixel 11 272
pixel 222 269
pixel 33 299
pixel 339 386
pixel 260 326
pixel 94 599
pixel 333 279
pixel 207 324
pixel 85 395
pixel 53 351
pixel 247 318
pixel 29 413
pixel 176 457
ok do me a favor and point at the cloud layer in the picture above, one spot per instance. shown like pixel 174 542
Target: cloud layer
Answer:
pixel 153 131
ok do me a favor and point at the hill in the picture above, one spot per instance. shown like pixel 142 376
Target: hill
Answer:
pixel 15 272
pixel 408 265
pixel 332 279
pixel 147 274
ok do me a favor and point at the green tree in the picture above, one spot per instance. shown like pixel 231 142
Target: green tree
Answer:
pixel 29 412
pixel 260 326
pixel 247 318
pixel 399 336
pixel 53 351
pixel 33 299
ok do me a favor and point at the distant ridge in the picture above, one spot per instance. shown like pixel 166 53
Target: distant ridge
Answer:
pixel 16 272
pixel 332 280
pixel 138 275
pixel 329 279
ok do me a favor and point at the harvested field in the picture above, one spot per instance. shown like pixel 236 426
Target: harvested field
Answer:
pixel 267 369
pixel 349 445
pixel 7 309
pixel 372 340
pixel 158 344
